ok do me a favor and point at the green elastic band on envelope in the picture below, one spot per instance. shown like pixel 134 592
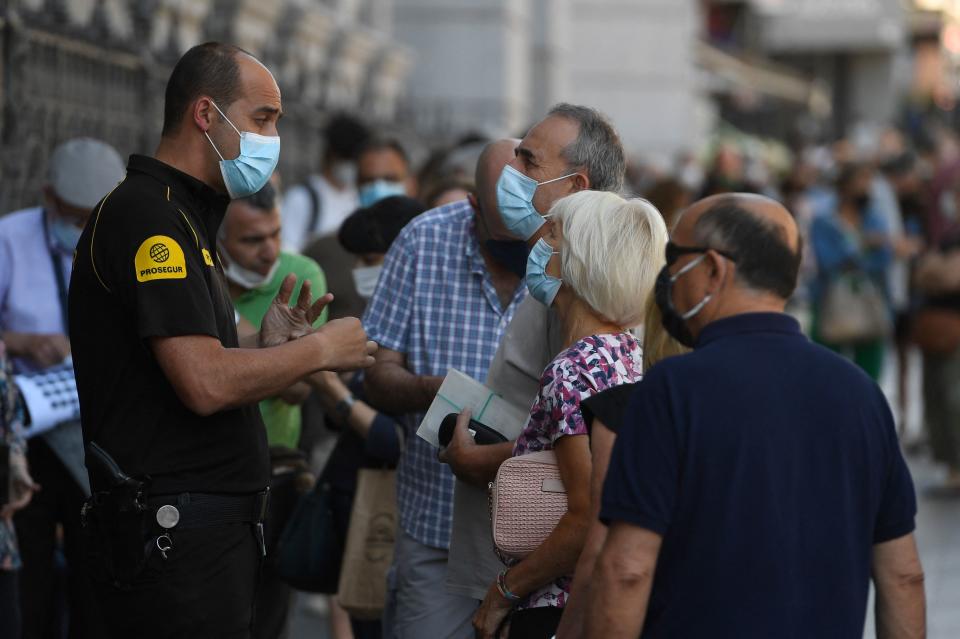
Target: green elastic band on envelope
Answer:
pixel 479 415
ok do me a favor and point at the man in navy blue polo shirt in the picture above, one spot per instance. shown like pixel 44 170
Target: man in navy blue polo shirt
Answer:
pixel 757 482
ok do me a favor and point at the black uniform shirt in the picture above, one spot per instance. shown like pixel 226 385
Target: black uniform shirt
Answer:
pixel 145 267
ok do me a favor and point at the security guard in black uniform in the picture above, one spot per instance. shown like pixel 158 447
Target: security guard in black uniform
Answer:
pixel 176 450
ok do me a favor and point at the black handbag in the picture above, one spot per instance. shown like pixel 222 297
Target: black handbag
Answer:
pixel 311 548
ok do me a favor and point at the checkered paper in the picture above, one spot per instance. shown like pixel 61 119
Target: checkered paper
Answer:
pixel 50 396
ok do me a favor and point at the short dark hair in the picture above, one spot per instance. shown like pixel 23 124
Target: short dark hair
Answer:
pixel 597 148
pixel 765 261
pixel 899 165
pixel 207 69
pixel 265 199
pixel 345 135
pixel 384 144
pixel 848 174
pixel 373 229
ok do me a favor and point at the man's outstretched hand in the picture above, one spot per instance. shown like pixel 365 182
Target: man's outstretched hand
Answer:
pixel 345 342
pixel 283 322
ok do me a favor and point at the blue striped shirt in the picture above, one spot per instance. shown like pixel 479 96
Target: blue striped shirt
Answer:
pixel 436 303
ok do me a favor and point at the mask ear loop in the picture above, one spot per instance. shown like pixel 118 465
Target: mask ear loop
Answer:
pixel 228 122
pixel 689 267
pixel 225 118
pixel 706 300
pixel 222 159
pixel 557 179
pixel 696 309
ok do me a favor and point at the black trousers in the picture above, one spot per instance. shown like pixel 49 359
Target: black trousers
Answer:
pixel 57 503
pixel 272 606
pixel 535 623
pixel 204 589
pixel 9 605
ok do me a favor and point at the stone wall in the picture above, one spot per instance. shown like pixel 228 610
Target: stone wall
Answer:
pixel 99 67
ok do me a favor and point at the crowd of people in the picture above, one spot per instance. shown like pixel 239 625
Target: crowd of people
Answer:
pixel 724 474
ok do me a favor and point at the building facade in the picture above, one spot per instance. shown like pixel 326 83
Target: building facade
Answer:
pixel 498 65
pixel 98 68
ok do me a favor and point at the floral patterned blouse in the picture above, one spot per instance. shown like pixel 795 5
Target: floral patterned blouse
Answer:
pixel 11 434
pixel 590 366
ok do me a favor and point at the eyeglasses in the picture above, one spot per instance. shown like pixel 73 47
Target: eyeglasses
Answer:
pixel 674 251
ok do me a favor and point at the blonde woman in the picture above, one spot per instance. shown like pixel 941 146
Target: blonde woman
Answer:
pixel 603 414
pixel 596 266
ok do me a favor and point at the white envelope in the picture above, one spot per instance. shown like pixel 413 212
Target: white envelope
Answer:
pixel 460 391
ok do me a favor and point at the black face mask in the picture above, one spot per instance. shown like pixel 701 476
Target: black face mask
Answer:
pixel 511 254
pixel 861 201
pixel 669 317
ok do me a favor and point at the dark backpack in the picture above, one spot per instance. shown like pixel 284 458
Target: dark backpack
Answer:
pixel 316 209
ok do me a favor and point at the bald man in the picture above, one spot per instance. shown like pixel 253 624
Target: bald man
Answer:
pixel 445 296
pixel 166 392
pixel 756 483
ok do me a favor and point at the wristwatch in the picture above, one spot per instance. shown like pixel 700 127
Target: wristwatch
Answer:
pixel 344 406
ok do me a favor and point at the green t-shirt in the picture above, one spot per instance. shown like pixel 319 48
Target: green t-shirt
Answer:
pixel 281 419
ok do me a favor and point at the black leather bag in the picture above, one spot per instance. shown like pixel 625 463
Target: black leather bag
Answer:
pixel 311 548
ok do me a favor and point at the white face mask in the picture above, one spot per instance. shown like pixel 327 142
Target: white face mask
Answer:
pixel 365 280
pixel 245 278
pixel 345 173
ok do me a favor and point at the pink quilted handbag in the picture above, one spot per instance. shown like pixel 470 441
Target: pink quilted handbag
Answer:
pixel 527 500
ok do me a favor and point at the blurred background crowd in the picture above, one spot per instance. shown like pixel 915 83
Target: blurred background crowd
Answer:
pixel 845 110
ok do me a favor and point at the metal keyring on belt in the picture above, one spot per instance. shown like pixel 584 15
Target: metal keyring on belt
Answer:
pixel 168 545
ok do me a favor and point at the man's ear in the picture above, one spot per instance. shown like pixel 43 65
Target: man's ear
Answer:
pixel 580 182
pixel 720 270
pixel 203 113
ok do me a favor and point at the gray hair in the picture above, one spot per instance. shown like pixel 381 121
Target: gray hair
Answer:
pixel 765 260
pixel 611 252
pixel 597 148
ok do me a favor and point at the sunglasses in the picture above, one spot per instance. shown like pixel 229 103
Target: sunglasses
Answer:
pixel 674 251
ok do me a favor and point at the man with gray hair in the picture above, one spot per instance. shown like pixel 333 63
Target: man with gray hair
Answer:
pixel 36 252
pixel 573 148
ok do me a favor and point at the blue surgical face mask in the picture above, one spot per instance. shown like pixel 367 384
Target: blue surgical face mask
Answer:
pixel 377 190
pixel 515 193
pixel 64 234
pixel 251 170
pixel 543 287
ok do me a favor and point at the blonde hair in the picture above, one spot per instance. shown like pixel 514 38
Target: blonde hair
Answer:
pixel 657 343
pixel 611 253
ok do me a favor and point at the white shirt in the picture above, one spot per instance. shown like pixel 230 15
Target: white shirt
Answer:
pixel 297 208
pixel 29 296
pixel 898 276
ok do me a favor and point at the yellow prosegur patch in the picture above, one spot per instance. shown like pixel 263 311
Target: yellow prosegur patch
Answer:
pixel 206 257
pixel 160 258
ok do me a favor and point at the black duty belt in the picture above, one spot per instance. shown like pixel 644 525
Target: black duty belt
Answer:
pixel 202 510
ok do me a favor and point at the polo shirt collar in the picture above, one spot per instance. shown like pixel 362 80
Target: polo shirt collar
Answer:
pixel 749 323
pixel 195 195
